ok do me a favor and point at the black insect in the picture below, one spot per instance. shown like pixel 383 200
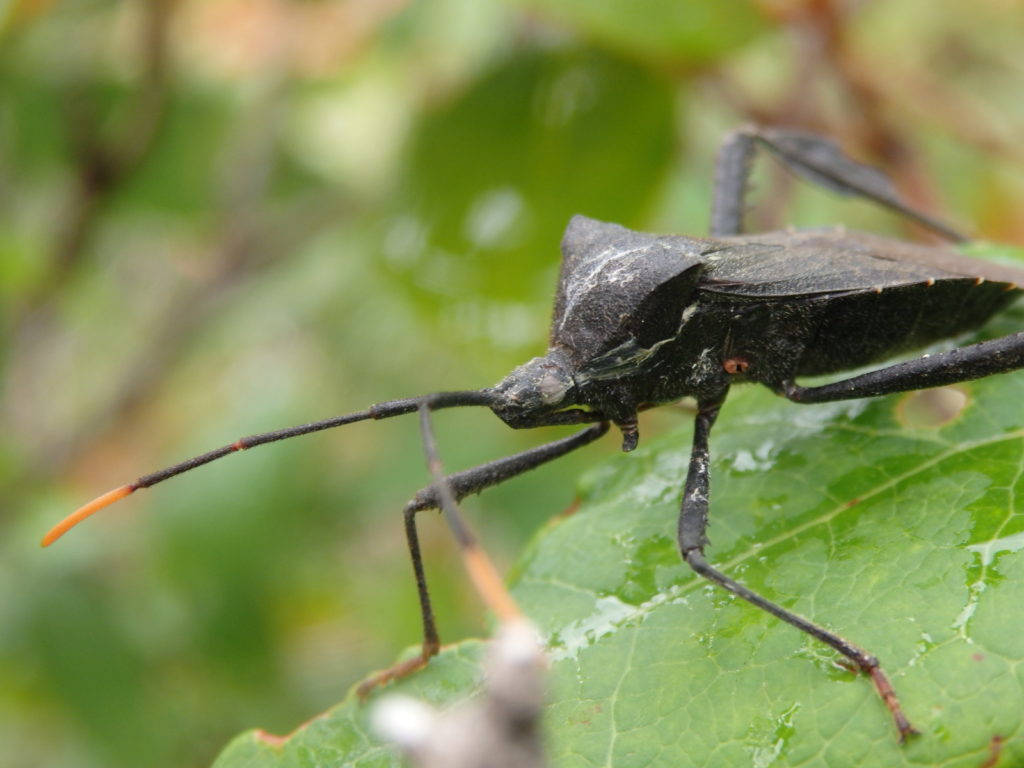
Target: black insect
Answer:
pixel 643 320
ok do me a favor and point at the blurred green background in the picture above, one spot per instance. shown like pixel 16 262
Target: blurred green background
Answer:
pixel 221 217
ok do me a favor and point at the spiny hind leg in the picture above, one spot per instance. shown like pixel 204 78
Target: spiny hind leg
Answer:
pixel 813 157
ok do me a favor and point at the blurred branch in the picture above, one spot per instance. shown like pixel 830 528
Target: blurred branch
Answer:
pixel 874 130
pixel 243 257
pixel 820 31
pixel 918 92
pixel 248 239
pixel 103 165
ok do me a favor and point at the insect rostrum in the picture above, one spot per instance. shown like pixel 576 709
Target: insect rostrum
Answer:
pixel 642 320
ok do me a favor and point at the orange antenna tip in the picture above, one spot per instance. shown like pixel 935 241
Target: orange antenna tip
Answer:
pixel 83 512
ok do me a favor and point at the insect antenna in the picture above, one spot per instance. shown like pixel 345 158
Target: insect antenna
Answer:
pixel 378 411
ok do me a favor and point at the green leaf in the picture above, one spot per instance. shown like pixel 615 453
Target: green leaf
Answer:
pixel 906 540
pixel 343 736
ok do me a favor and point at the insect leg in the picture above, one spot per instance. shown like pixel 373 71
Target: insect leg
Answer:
pixel 961 364
pixel 732 174
pixel 463 484
pixel 476 479
pixel 431 641
pixel 693 520
pixel 813 157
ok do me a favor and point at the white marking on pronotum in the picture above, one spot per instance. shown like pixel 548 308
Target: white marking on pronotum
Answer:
pixel 582 284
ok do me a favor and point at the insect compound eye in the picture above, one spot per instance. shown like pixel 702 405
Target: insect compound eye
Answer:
pixel 552 385
pixel 735 365
pixel 542 385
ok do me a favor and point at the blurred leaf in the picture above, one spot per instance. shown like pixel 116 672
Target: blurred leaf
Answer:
pixel 691 32
pixel 494 176
pixel 997 252
pixel 908 541
pixel 38 140
pixel 72 666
